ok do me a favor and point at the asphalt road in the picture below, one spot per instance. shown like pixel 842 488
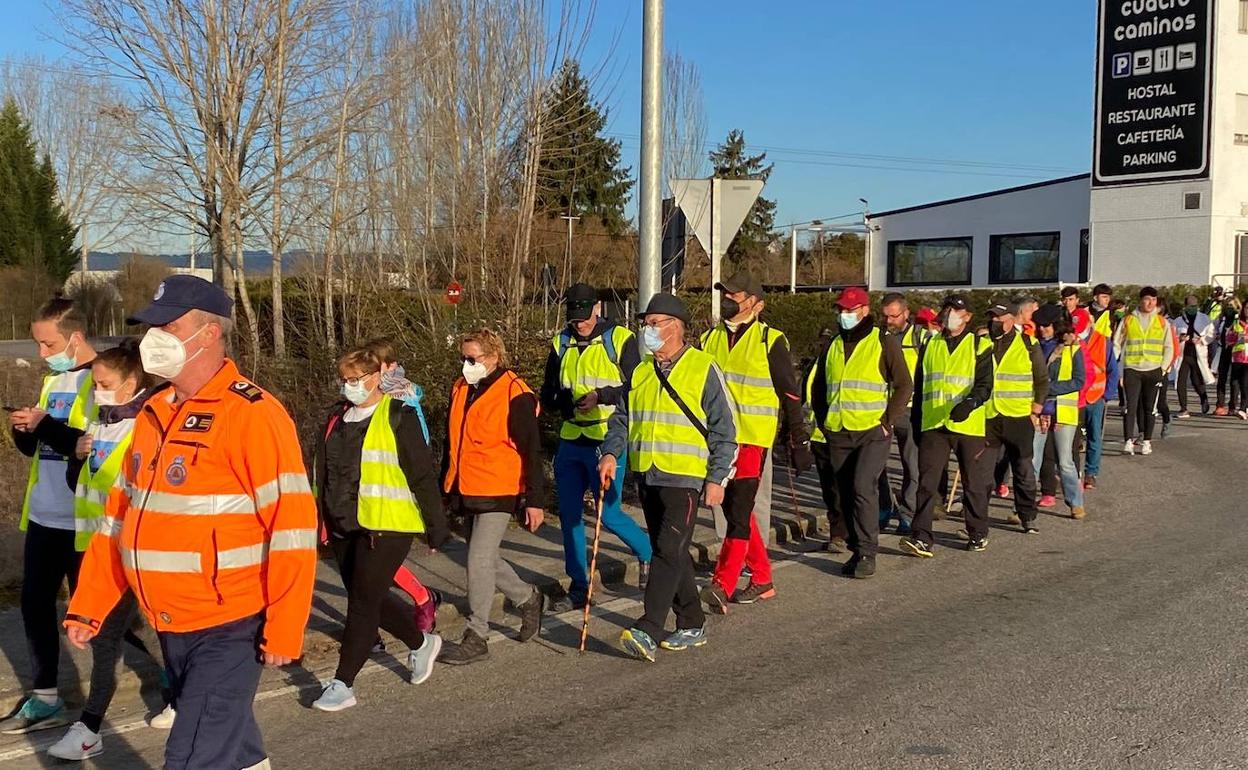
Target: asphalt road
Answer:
pixel 1113 642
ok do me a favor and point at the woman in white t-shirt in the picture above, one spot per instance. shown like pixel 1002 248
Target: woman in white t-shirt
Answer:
pixel 50 559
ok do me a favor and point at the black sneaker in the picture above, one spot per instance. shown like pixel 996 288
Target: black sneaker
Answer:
pixel 977 544
pixel 916 547
pixel 865 568
pixel 1030 528
pixel 470 649
pixel 643 575
pixel 755 592
pixel 847 569
pixel 531 616
pixel 715 598
pixel 567 603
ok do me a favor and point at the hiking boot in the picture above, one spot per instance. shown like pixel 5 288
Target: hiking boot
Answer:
pixel 977 544
pixel 1089 482
pixel 715 598
pixel 420 660
pixel 1046 501
pixel 470 649
pixel 531 616
pixel 35 715
pixel 427 613
pixel 638 644
pixel 684 639
pixel 1146 446
pixel 1128 447
pixel 78 744
pixel 643 575
pixel 755 592
pixel 335 696
pixel 836 545
pixel 916 547
pixel 864 569
pixel 1077 512
pixel 1013 519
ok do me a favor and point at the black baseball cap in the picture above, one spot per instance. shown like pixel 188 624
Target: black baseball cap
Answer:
pixel 1000 310
pixel 666 304
pixel 742 281
pixel 178 295
pixel 1069 291
pixel 580 299
pixel 1218 291
pixel 1148 291
pixel 956 301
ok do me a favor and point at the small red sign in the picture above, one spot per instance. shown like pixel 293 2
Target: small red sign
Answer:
pixel 454 293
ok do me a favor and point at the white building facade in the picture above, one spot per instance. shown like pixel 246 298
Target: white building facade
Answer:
pixel 1167 199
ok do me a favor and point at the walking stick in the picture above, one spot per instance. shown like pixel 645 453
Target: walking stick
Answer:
pixel 953 490
pixel 793 494
pixel 593 567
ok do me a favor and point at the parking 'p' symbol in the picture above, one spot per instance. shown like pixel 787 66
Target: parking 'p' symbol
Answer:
pixel 1122 65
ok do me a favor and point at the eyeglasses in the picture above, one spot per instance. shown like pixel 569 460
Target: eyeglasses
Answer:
pixel 658 322
pixel 355 381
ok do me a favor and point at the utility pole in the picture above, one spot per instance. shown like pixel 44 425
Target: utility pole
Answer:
pixel 650 208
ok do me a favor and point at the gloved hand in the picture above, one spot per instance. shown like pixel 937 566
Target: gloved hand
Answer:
pixel 962 410
pixel 800 457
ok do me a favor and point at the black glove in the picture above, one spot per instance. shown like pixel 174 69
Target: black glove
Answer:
pixel 800 457
pixel 962 410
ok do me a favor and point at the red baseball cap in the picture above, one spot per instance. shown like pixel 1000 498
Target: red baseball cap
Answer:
pixel 925 316
pixel 853 297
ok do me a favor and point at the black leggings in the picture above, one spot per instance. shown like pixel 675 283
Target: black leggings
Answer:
pixel 1239 376
pixel 49 560
pixel 367 563
pixel 1141 390
pixel 106 650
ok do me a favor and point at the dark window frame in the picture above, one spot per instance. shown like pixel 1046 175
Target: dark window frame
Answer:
pixel 892 261
pixel 994 269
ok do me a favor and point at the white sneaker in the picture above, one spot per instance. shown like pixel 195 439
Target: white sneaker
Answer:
pixel 1128 447
pixel 421 660
pixel 1243 414
pixel 163 720
pixel 78 744
pixel 335 697
pixel 1146 447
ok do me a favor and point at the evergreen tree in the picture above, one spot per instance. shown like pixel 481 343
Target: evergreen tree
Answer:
pixel 34 228
pixel 579 170
pixel 731 161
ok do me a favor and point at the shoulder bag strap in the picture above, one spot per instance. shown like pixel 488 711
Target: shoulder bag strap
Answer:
pixel 680 402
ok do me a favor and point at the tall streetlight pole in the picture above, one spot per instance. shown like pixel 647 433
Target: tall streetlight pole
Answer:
pixel 650 208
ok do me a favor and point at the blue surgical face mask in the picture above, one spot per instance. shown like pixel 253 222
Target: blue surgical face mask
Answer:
pixel 61 362
pixel 651 338
pixel 849 319
pixel 357 393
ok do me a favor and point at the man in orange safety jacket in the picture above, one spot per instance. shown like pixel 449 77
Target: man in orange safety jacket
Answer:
pixel 212 523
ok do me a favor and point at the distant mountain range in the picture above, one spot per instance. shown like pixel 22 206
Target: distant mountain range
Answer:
pixel 253 261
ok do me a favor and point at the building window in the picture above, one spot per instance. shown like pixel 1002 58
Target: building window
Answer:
pixel 1026 258
pixel 1241 118
pixel 1243 16
pixel 935 262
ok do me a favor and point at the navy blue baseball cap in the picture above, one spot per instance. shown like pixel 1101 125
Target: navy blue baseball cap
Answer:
pixel 178 295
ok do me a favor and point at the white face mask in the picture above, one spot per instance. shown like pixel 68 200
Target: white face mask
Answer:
pixel 475 372
pixel 651 338
pixel 163 354
pixel 954 322
pixel 106 398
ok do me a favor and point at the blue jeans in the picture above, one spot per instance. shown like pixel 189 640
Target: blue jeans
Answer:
pixel 1064 441
pixel 1094 422
pixel 576 470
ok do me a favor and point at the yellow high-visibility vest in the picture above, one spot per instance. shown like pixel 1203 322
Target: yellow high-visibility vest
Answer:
pixel 747 372
pixel 947 380
pixel 659 434
pixel 857 391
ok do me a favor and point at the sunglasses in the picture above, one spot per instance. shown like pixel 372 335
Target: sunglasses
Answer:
pixel 469 359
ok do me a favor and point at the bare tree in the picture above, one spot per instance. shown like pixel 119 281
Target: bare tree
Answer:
pixel 684 119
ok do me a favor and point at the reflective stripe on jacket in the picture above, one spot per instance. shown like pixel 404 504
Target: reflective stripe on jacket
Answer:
pixel 582 370
pixel 1144 347
pixel 659 434
pixel 214 518
pixel 386 503
pixel 91 495
pixel 857 391
pixel 747 373
pixel 83 402
pixel 1067 403
pixel 1013 382
pixel 947 380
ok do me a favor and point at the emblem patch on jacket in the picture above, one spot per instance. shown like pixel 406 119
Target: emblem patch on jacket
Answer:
pixel 198 422
pixel 175 474
pixel 247 390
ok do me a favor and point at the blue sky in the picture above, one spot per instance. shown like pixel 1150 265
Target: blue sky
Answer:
pixel 831 88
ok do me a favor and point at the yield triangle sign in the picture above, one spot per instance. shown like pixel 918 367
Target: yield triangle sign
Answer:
pixel 715 208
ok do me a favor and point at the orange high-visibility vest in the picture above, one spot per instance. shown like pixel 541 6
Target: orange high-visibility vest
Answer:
pixel 484 461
